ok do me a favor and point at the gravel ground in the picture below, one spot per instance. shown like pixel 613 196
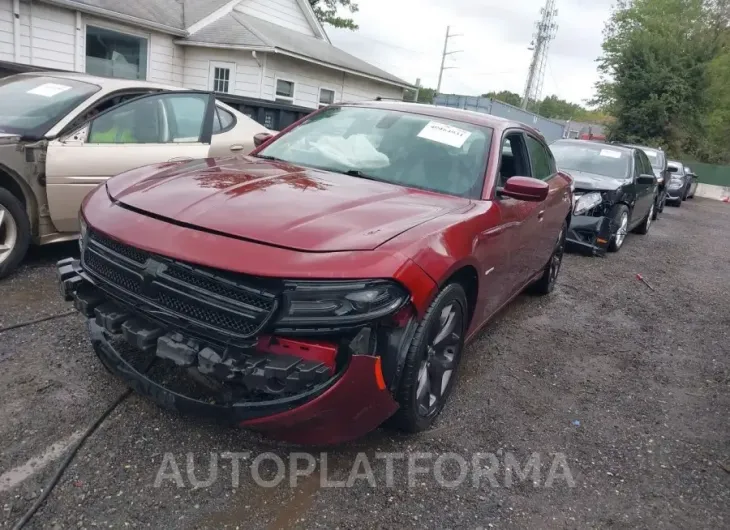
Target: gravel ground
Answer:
pixel 630 385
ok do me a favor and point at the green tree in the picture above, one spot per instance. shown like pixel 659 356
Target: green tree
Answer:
pixel 425 95
pixel 656 54
pixel 505 96
pixel 326 11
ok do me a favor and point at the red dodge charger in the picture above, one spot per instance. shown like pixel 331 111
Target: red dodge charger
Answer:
pixel 328 282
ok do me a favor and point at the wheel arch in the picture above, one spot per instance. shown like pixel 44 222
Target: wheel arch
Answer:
pixel 12 182
pixel 467 276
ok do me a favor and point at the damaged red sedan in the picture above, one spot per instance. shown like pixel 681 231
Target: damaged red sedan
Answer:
pixel 328 282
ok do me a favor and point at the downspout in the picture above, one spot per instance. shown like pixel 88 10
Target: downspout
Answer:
pixel 16 30
pixel 77 43
pixel 30 29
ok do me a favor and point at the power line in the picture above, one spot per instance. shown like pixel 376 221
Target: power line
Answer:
pixel 443 56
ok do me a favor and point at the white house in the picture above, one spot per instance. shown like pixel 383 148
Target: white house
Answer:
pixel 265 49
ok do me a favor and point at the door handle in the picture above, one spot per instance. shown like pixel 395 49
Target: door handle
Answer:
pixel 236 147
pixel 540 215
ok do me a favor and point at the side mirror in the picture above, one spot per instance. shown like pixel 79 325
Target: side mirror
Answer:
pixel 261 138
pixel 526 189
pixel 646 180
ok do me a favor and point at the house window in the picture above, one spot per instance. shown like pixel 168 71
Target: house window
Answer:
pixel 326 97
pixel 284 90
pixel 221 77
pixel 115 54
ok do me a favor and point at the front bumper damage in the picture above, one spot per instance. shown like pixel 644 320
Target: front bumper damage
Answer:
pixel 589 235
pixel 309 392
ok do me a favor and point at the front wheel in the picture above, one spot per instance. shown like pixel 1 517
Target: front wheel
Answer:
pixel 620 227
pixel 432 360
pixel 14 232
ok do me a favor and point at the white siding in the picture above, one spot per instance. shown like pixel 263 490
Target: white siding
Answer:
pixel 7 51
pixel 309 78
pixel 52 30
pixel 359 88
pixel 197 70
pixel 286 13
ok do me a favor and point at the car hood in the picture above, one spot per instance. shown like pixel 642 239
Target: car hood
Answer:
pixel 278 203
pixel 9 138
pixel 594 182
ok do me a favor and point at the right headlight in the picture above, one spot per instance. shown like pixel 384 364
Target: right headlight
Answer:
pixel 339 303
pixel 586 202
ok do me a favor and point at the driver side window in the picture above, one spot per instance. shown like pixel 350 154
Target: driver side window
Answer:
pixel 514 161
pixel 159 119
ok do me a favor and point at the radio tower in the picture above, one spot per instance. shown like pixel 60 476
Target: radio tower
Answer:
pixel 546 30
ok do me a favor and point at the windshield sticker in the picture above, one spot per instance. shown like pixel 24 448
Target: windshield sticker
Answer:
pixel 610 153
pixel 49 90
pixel 444 134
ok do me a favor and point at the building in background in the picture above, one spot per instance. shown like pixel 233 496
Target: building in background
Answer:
pixel 273 50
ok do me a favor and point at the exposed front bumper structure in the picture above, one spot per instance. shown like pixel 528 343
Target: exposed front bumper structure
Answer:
pixel 263 384
pixel 589 235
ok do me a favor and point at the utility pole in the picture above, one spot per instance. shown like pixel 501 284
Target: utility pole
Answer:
pixel 443 56
pixel 546 30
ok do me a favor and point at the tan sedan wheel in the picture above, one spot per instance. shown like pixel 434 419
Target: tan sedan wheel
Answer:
pixel 14 232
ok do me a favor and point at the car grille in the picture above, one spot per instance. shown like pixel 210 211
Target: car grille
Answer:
pixel 173 291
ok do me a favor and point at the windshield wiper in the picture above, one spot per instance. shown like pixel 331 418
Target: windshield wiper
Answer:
pixel 268 157
pixel 359 174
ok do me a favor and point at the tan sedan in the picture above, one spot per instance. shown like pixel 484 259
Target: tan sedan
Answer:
pixel 62 134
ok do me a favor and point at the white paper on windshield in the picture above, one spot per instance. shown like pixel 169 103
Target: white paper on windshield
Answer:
pixel 355 151
pixel 49 90
pixel 444 134
pixel 610 153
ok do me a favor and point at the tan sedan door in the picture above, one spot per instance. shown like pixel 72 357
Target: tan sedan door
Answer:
pixel 154 128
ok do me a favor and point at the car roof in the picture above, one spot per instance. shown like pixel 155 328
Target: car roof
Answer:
pixel 659 149
pixel 106 83
pixel 447 113
pixel 617 147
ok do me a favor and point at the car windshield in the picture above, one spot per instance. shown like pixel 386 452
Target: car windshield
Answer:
pixel 593 158
pixel 412 150
pixel 655 157
pixel 31 105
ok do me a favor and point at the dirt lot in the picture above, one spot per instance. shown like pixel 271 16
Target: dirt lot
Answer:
pixel 631 385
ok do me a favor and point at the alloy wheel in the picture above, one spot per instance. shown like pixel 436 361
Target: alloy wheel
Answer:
pixel 8 234
pixel 442 353
pixel 622 230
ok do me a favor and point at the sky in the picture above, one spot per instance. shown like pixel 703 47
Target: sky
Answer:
pixel 406 38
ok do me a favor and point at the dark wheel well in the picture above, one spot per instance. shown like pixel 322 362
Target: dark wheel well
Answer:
pixel 468 278
pixel 7 182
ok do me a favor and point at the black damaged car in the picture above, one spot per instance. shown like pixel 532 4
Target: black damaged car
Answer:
pixel 615 192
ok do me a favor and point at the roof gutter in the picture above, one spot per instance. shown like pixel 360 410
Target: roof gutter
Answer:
pixel 188 42
pixel 106 13
pixel 401 84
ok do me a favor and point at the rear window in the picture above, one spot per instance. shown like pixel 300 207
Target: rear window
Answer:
pixel 31 105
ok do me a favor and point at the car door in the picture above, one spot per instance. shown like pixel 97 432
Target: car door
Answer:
pixel 552 212
pixel 644 193
pixel 155 128
pixel 521 220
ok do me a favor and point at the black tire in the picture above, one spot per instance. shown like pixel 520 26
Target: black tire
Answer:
pixel 546 284
pixel 616 222
pixel 410 416
pixel 645 225
pixel 21 229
